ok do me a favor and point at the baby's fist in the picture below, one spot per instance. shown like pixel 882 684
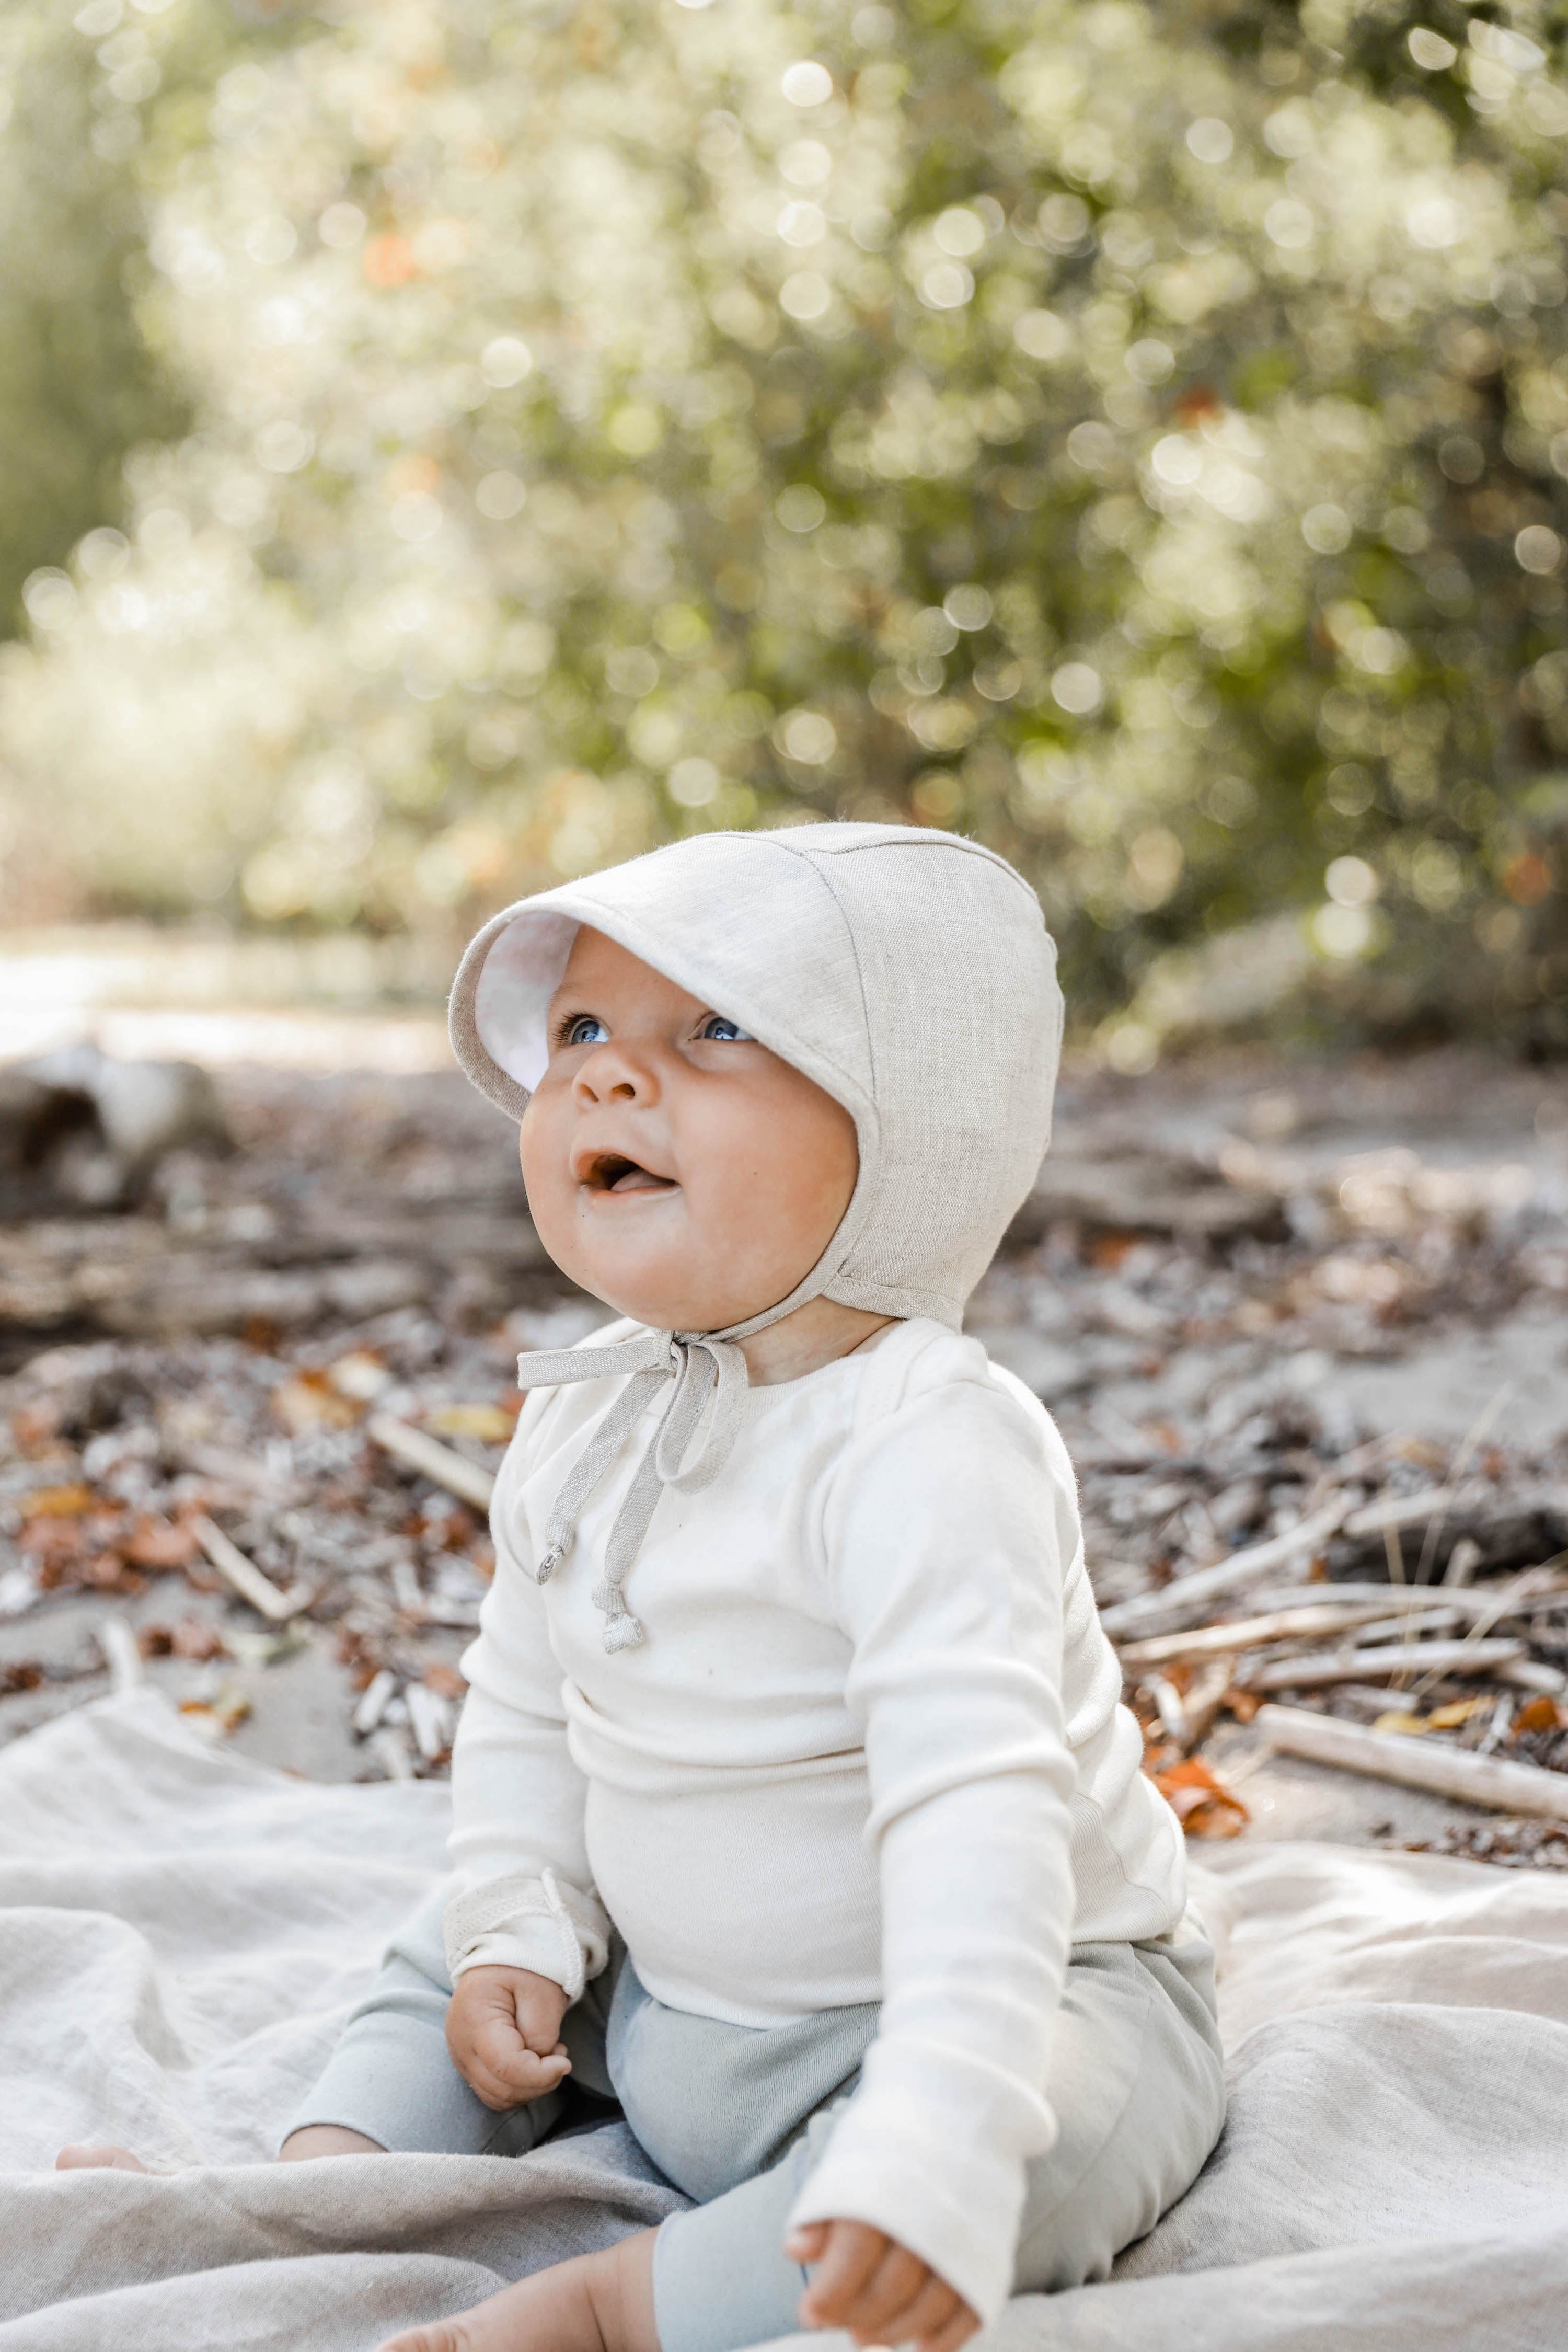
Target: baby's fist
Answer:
pixel 503 2029
pixel 867 2284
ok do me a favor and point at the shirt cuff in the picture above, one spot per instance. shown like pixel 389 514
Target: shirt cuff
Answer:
pixel 951 2192
pixel 526 1923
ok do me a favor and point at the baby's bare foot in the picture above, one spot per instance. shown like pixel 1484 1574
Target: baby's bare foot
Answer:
pixel 600 2302
pixel 113 2160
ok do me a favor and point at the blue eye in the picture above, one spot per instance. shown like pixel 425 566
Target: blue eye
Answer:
pixel 726 1032
pixel 586 1029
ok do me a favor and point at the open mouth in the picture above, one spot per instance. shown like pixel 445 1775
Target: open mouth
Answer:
pixel 612 1171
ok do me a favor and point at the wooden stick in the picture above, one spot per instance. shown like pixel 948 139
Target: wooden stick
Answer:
pixel 438 1463
pixel 1543 1587
pixel 1306 1536
pixel 1416 1763
pixel 1392 1512
pixel 374 1700
pixel 1319 1668
pixel 1410 1622
pixel 429 1719
pixel 1279 1625
pixel 121 1656
pixel 245 1576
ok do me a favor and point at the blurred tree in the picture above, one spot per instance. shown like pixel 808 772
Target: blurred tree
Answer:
pixel 1137 436
pixel 79 386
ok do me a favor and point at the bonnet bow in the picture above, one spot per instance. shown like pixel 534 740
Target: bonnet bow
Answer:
pixel 701 1368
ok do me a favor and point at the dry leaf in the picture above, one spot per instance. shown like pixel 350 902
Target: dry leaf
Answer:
pixel 446 1681
pixel 1460 1710
pixel 54 1543
pixel 491 1423
pixel 309 1402
pixel 58 1502
pixel 1203 1804
pixel 1539 1714
pixel 1442 1719
pixel 193 1637
pixel 360 1375
pixel 160 1544
pixel 216 1718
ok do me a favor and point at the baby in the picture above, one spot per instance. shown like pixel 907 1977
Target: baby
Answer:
pixel 794 1805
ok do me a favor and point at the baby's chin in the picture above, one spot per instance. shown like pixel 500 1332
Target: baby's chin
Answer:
pixel 666 1297
pixel 637 1258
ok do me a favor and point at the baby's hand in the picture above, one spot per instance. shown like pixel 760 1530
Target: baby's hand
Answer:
pixel 867 2282
pixel 502 2030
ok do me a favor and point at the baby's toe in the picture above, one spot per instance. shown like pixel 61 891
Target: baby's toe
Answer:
pixel 84 2160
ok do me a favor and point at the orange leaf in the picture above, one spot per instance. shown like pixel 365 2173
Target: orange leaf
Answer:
pixel 309 1401
pixel 158 1543
pixel 1540 1713
pixel 491 1423
pixel 57 1502
pixel 1203 1804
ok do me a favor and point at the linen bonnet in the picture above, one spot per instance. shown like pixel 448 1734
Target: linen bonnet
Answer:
pixel 909 972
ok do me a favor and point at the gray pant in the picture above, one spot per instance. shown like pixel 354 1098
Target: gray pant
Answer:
pixel 737 2116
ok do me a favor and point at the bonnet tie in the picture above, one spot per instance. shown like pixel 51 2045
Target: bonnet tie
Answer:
pixel 700 1368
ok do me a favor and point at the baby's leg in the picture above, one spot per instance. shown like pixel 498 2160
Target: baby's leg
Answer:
pixel 389 2084
pixel 598 2302
pixel 312 2140
pixel 390 2079
pixel 1138 2081
pixel 712 2104
pixel 1137 2085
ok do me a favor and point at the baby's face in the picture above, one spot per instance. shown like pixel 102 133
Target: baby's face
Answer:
pixel 675 1167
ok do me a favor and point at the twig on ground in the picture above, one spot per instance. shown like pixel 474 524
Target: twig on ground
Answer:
pixel 118 1642
pixel 1390 1513
pixel 1304 1537
pixel 438 1463
pixel 245 1577
pixel 430 1720
pixel 1457 1469
pixel 374 1700
pixel 1304 1623
pixel 1168 1706
pixel 1446 1771
pixel 1317 1670
pixel 391 1752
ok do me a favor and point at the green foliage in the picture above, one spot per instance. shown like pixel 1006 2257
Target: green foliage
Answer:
pixel 77 386
pixel 1136 435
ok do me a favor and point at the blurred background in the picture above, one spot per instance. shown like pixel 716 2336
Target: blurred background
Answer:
pixel 446 445
pixel 445 448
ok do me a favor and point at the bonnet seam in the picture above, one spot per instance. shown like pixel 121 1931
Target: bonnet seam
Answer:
pixel 806 858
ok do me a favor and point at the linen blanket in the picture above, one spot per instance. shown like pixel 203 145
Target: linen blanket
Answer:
pixel 181 1933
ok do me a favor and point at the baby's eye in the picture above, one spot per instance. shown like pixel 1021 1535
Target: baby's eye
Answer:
pixel 585 1029
pixel 726 1032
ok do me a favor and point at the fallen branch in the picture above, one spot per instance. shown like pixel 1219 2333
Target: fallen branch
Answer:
pixel 1541 1588
pixel 245 1577
pixel 1317 1670
pixel 1446 1771
pixel 121 1656
pixel 1392 1512
pixel 435 1462
pixel 1304 1622
pixel 1305 1536
pixel 374 1700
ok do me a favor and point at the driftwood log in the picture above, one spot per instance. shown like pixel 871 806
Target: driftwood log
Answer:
pixel 1416 1763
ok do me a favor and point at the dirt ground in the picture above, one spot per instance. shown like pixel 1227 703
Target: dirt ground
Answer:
pixel 1241 1285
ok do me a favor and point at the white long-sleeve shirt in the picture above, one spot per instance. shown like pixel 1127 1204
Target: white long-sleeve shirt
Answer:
pixel 871 1750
